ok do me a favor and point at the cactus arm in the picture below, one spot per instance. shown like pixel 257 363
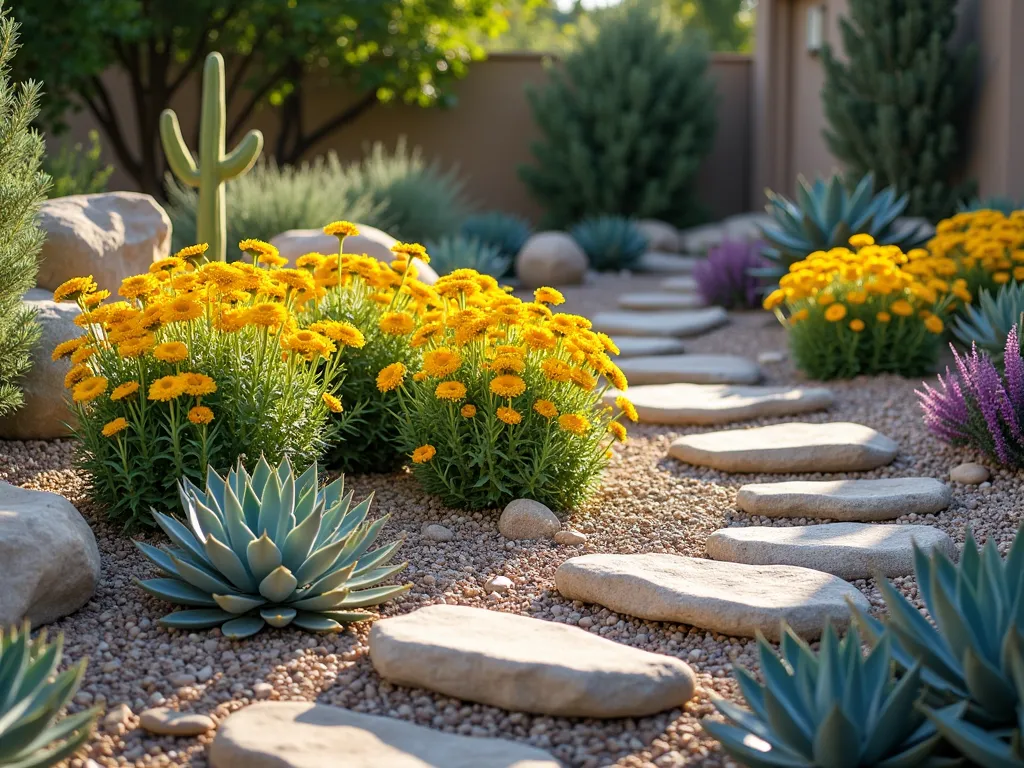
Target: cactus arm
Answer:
pixel 179 158
pixel 242 157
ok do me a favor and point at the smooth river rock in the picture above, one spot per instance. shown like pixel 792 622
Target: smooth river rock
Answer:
pixel 683 283
pixel 682 323
pixel 528 519
pixel 847 550
pixel 682 404
pixel 647 302
pixel 730 598
pixel 642 346
pixel 301 734
pixel 789 447
pixel 969 473
pixel 524 664
pixel 690 369
pixel 49 561
pixel 863 500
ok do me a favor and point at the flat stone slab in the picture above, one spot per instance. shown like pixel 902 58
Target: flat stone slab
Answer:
pixel 690 369
pixel 864 500
pixel 641 346
pixel 684 283
pixel 524 664
pixel 646 302
pixel 847 550
pixel 300 734
pixel 666 263
pixel 790 447
pixel 682 323
pixel 682 404
pixel 731 598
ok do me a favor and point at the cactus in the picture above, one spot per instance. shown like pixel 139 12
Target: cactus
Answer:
pixel 214 167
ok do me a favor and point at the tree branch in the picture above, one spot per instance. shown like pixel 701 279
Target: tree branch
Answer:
pixel 343 118
pixel 108 122
pixel 201 48
pixel 257 95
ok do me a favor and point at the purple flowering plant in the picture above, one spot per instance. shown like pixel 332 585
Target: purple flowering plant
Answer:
pixel 979 407
pixel 724 277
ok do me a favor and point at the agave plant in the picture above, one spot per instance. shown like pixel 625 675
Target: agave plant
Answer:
pixel 610 242
pixel 825 215
pixel 1005 205
pixel 969 655
pixel 270 548
pixel 999 748
pixel 836 709
pixel 988 323
pixel 506 232
pixel 31 699
pixel 461 252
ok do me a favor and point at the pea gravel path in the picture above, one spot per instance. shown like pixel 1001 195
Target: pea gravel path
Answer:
pixel 648 503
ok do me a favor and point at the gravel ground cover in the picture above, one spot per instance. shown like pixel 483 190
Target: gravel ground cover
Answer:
pixel 648 503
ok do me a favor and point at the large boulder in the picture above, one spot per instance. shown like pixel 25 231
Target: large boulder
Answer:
pixel 110 236
pixel 370 241
pixel 45 411
pixel 51 564
pixel 661 236
pixel 551 258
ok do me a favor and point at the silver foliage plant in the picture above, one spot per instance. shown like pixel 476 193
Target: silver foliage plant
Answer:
pixel 270 548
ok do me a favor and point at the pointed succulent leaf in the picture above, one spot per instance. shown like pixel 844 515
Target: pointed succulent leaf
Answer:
pixel 345 617
pixel 374 577
pixel 791 724
pixel 737 742
pixel 323 602
pixel 242 627
pixel 215 486
pixel 14 663
pixel 239 534
pixel 753 692
pixel 837 742
pixel 978 745
pixel 989 686
pixel 337 576
pixel 40 669
pixel 952 624
pixel 917 636
pixel 746 720
pixel 307 481
pixel 305 503
pixel 261 475
pixel 369 597
pixel 278 616
pixel 377 558
pixel 316 622
pixel 286 518
pixel 251 508
pixel 299 542
pixel 279 585
pixel 333 492
pixel 230 565
pixel 896 719
pixel 263 556
pixel 344 523
pixel 177 592
pixel 180 535
pixel 781 688
pixel 201 578
pixel 271 508
pixel 200 618
pixel 362 540
pixel 319 562
pixel 239 604
pixel 74 727
pixel 159 557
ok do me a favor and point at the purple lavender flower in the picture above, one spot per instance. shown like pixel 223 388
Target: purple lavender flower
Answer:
pixel 723 278
pixel 978 407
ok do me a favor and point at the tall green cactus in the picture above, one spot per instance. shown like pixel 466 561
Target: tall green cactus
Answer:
pixel 215 167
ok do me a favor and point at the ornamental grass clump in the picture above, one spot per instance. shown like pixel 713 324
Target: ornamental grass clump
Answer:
pixel 979 407
pixel 725 278
pixel 986 245
pixel 867 309
pixel 508 400
pixel 194 368
pixel 382 303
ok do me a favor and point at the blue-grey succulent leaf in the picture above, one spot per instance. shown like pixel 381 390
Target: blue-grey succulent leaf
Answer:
pixel 261 475
pixel 306 481
pixel 239 604
pixel 279 585
pixel 271 508
pixel 305 503
pixel 376 576
pixel 299 542
pixel 752 692
pixel 34 740
pixel 348 617
pixel 180 535
pixel 323 602
pixel 316 622
pixel 159 557
pixel 977 744
pixel 786 717
pixel 278 616
pixel 337 576
pixel 215 485
pixel 988 684
pixel 230 565
pixel 204 521
pixel 780 687
pixel 896 716
pixel 332 492
pixel 318 563
pixel 365 598
pixel 201 578
pixel 738 743
pixel 251 507
pixel 362 540
pixel 377 558
pixel 344 523
pixel 916 635
pixel 262 556
pixel 837 741
pixel 745 719
pixel 286 517
pixel 177 592
pixel 242 627
pixel 239 534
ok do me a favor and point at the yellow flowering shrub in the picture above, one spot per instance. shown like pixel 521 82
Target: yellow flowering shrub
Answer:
pixel 866 309
pixel 383 303
pixel 987 247
pixel 193 368
pixel 506 400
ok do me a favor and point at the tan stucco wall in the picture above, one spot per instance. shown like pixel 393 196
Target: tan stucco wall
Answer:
pixel 487 135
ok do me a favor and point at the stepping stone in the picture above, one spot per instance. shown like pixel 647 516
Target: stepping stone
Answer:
pixel 731 598
pixel 641 346
pixel 691 369
pixel 847 550
pixel 682 323
pixel 791 447
pixel 684 283
pixel 301 734
pixel 647 302
pixel 864 500
pixel 680 404
pixel 524 664
pixel 666 263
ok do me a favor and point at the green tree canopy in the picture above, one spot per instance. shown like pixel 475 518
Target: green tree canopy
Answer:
pixel 384 50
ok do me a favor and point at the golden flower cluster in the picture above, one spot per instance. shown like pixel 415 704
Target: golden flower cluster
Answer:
pixel 985 245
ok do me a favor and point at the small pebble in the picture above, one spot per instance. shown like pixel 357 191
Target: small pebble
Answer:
pixel 570 537
pixel 498 584
pixel 262 690
pixel 969 474
pixel 435 532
